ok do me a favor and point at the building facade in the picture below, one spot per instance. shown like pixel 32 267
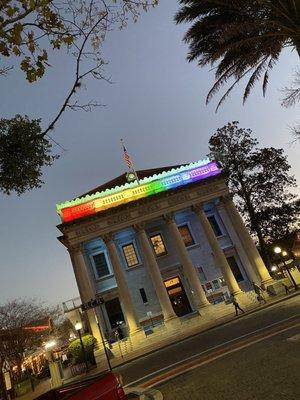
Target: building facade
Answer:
pixel 168 245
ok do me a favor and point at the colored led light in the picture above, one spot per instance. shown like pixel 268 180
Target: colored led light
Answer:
pixel 89 205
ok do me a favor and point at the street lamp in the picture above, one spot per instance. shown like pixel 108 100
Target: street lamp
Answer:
pixel 78 327
pixel 282 253
pixel 102 336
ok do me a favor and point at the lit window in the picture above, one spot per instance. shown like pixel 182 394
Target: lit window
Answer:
pixel 186 235
pixel 130 255
pixel 101 265
pixel 215 226
pixel 158 245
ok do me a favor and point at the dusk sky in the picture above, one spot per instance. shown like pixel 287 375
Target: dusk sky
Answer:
pixel 156 103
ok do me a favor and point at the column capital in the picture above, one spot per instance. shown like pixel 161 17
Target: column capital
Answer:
pixel 169 217
pixel 107 238
pixel 76 248
pixel 226 198
pixel 139 227
pixel 198 208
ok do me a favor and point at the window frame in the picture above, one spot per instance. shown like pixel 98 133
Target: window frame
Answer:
pixel 214 215
pixel 95 253
pixel 159 233
pixel 133 243
pixel 188 224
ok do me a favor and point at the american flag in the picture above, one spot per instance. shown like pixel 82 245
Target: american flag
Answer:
pixel 127 159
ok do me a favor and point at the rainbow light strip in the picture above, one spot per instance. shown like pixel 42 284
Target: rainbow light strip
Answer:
pixel 109 198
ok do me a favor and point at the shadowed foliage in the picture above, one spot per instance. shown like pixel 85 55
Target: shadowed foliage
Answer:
pixel 239 38
pixel 260 181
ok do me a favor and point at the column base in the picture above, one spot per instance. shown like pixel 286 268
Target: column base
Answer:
pixel 134 331
pixel 237 292
pixel 170 318
pixel 267 282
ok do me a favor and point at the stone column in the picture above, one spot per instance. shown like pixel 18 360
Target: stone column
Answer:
pixel 218 253
pixel 187 264
pixel 237 243
pixel 248 244
pixel 85 285
pixel 155 274
pixel 123 289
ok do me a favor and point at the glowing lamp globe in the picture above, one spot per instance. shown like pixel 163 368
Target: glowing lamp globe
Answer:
pixel 78 326
pixel 277 250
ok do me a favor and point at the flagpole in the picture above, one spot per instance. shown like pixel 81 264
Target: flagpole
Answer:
pixel 129 162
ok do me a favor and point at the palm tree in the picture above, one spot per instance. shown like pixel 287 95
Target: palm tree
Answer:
pixel 240 37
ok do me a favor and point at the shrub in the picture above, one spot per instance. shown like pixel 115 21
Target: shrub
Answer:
pixel 76 351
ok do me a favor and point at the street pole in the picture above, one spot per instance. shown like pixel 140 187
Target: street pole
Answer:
pixel 103 344
pixel 289 273
pixel 83 349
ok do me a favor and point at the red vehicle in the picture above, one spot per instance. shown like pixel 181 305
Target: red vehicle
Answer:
pixel 103 387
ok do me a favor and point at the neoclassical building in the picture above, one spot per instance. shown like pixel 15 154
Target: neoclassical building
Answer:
pixel 165 246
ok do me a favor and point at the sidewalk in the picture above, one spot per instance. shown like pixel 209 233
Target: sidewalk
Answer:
pixel 41 388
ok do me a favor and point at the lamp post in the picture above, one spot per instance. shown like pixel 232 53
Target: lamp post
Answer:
pixel 101 301
pixel 78 327
pixel 282 253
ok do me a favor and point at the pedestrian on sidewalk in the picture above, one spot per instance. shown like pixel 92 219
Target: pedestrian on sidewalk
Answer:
pixel 236 304
pixel 287 290
pixel 260 293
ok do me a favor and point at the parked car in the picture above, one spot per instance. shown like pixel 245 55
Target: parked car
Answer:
pixel 103 387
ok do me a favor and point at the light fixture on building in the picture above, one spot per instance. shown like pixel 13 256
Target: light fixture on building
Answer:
pixel 274 268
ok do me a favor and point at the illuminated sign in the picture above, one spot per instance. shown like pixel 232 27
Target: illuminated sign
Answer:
pixel 172 282
pixel 162 182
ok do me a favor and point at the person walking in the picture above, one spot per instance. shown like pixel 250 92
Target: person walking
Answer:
pixel 260 294
pixel 287 290
pixel 236 305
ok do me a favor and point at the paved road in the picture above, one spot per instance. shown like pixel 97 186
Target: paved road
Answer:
pixel 268 370
pixel 165 358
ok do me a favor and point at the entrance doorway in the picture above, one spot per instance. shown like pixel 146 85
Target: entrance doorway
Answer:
pixel 114 312
pixel 178 297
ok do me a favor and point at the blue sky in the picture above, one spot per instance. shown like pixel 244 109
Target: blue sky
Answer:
pixel 156 103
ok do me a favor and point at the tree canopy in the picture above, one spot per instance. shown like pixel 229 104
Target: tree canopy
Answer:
pixel 239 38
pixel 24 151
pixel 260 181
pixel 16 318
pixel 31 31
